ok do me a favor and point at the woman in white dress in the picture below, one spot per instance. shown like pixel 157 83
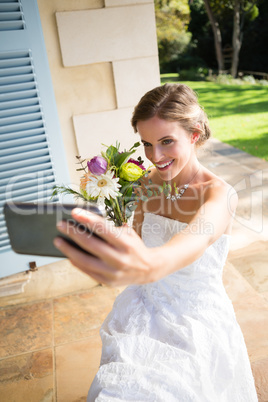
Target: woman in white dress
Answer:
pixel 172 334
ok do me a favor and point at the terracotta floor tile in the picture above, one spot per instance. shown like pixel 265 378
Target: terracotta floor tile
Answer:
pixel 27 377
pixel 260 372
pixel 25 329
pixel 265 296
pixel 76 366
pixel 81 315
pixel 251 262
pixel 251 312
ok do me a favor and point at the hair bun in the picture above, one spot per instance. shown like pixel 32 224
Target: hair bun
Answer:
pixel 174 102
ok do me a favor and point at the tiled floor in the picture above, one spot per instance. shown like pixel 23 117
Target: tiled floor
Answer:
pixel 50 351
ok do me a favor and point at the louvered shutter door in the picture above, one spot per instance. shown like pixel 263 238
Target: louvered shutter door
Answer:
pixel 11 16
pixel 31 151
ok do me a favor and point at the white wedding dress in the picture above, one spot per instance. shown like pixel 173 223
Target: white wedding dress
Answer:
pixel 176 339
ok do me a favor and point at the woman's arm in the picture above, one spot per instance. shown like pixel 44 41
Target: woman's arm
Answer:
pixel 119 258
pixel 124 259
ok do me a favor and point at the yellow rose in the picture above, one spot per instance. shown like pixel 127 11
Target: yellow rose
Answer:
pixel 130 172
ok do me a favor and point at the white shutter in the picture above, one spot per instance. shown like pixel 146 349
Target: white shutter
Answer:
pixel 26 170
pixel 11 15
pixel 32 156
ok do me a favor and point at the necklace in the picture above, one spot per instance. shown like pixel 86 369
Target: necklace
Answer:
pixel 179 192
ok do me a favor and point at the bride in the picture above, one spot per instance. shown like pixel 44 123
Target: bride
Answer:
pixel 172 334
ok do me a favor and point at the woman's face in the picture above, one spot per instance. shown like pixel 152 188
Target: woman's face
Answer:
pixel 167 145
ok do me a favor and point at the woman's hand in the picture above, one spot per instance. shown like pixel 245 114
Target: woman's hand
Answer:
pixel 121 259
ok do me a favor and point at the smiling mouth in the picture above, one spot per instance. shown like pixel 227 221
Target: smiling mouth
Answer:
pixel 163 166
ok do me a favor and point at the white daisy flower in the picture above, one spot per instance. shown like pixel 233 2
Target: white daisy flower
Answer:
pixel 103 186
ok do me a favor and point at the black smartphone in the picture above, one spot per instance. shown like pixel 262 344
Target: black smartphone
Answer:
pixel 32 226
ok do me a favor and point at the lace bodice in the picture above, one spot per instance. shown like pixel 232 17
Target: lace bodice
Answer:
pixel 197 286
pixel 157 230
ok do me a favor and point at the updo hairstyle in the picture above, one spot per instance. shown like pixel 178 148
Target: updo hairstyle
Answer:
pixel 173 102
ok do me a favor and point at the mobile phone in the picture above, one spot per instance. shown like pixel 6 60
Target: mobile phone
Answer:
pixel 32 226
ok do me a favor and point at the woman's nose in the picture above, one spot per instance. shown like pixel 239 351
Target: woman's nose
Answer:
pixel 157 154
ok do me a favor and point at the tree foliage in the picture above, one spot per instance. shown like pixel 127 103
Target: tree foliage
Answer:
pixel 172 19
pixel 254 50
pixel 225 8
pixel 185 36
pixel 202 35
pixel 254 24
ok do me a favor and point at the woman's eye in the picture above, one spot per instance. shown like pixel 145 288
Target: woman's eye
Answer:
pixel 146 144
pixel 167 142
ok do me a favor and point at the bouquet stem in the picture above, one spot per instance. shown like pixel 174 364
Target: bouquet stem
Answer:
pixel 118 213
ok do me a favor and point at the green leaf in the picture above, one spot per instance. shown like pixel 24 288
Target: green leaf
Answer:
pixel 166 191
pixel 67 190
pixel 128 193
pixel 123 183
pixel 126 188
pixel 111 152
pixel 150 193
pixel 54 193
pixel 132 207
pixel 160 189
pixel 120 159
pixel 144 198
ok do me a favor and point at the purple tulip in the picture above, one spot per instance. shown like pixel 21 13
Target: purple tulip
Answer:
pixel 97 165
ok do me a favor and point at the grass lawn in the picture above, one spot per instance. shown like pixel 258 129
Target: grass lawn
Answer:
pixel 238 114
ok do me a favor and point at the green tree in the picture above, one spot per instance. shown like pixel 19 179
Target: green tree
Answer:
pixel 202 42
pixel 240 10
pixel 254 52
pixel 172 19
pixel 216 32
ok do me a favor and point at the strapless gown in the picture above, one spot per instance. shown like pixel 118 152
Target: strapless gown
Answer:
pixel 176 339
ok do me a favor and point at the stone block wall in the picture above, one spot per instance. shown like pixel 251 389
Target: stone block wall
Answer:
pixel 102 58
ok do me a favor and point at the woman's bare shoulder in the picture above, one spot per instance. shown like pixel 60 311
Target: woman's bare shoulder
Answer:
pixel 217 188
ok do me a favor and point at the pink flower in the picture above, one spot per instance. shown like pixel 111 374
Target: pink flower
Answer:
pixel 97 165
pixel 136 163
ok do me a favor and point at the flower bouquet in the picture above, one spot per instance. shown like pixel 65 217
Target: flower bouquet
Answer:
pixel 111 179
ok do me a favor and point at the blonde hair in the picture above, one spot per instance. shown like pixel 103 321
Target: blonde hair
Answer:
pixel 174 102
